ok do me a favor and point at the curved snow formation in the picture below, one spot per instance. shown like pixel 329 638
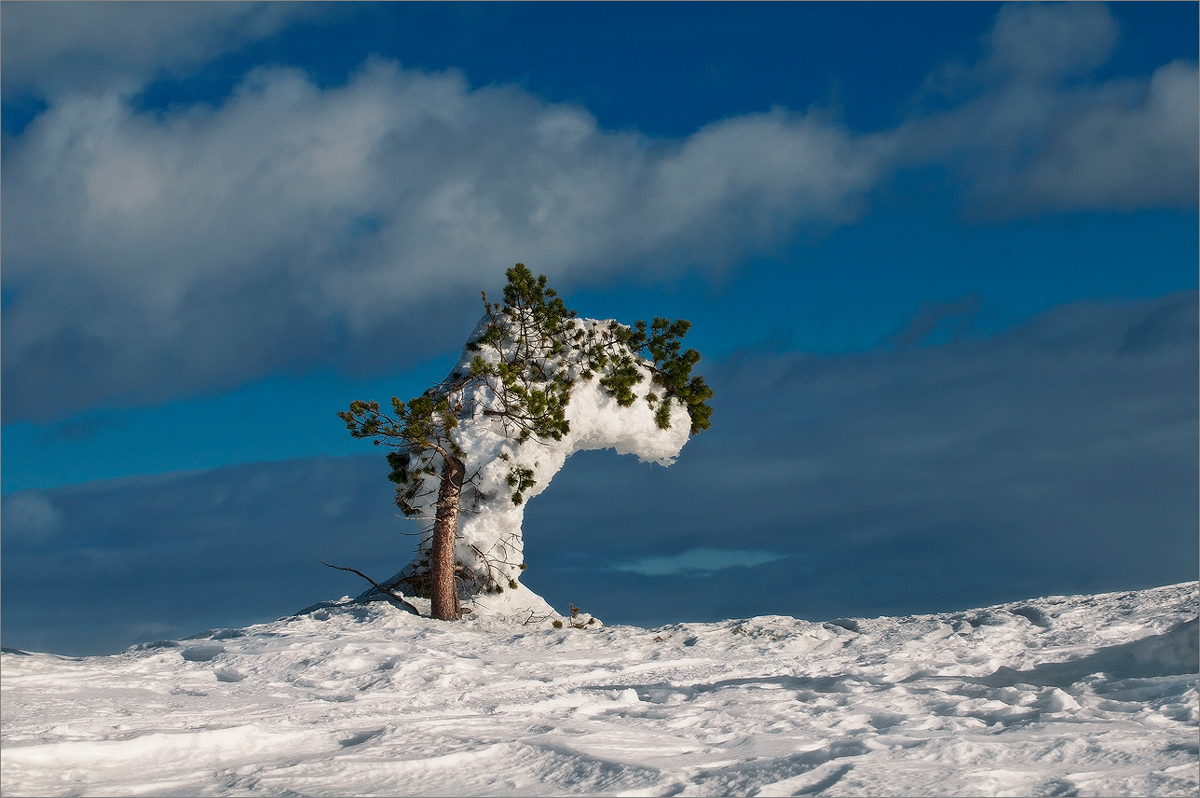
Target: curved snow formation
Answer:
pixel 490 541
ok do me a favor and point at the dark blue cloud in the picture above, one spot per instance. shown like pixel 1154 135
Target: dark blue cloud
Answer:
pixel 1057 457
pixel 97 567
pixel 1054 458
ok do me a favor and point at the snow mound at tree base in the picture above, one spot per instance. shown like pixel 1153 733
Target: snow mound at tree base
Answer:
pixel 518 604
pixel 1084 695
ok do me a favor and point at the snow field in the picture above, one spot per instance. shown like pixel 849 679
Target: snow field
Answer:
pixel 1092 695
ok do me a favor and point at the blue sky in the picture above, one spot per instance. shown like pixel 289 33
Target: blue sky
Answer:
pixel 222 222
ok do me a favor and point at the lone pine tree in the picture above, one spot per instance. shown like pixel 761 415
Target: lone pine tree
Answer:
pixel 530 351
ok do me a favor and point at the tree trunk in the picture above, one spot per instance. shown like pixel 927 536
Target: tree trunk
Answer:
pixel 442 589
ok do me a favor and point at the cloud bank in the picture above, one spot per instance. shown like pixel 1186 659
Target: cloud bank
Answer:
pixel 151 255
pixel 1059 457
pixel 161 254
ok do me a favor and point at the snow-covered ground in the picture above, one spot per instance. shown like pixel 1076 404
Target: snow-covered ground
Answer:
pixel 1091 695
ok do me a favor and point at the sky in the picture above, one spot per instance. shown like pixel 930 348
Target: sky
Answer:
pixel 940 259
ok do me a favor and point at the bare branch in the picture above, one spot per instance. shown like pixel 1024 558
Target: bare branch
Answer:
pixel 378 586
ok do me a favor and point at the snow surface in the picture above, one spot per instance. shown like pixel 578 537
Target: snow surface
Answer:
pixel 1087 695
pixel 490 539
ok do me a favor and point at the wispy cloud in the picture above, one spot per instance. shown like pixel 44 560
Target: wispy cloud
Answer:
pixel 73 47
pixel 31 516
pixel 957 318
pixel 698 560
pixel 1028 131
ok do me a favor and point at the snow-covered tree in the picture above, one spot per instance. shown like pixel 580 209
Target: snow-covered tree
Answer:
pixel 495 430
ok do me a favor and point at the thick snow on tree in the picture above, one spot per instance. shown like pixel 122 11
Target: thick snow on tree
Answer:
pixel 533 386
pixel 490 543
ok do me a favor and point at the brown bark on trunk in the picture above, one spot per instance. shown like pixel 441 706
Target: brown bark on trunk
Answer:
pixel 442 588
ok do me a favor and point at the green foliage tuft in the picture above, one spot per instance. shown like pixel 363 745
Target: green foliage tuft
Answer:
pixel 520 480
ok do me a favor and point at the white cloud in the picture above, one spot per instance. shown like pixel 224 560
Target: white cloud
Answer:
pixel 51 48
pixel 1036 135
pixel 1051 40
pixel 150 255
pixel 165 252
pixel 1123 155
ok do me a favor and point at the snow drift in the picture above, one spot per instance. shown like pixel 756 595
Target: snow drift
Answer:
pixel 1084 695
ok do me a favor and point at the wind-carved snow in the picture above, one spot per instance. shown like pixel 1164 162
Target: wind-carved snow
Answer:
pixel 490 539
pixel 1085 695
